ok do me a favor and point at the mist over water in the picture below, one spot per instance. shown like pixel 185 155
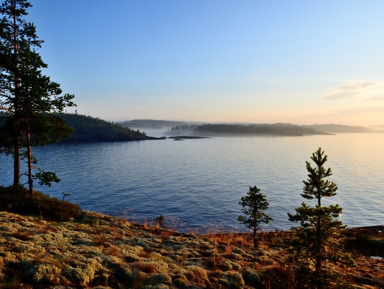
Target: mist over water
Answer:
pixel 200 182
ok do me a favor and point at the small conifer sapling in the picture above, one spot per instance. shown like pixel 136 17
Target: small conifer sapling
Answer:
pixel 253 206
pixel 319 232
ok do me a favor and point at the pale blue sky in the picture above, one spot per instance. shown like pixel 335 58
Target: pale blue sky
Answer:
pixel 269 61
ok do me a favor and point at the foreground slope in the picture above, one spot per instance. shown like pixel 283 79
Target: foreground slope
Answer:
pixel 100 251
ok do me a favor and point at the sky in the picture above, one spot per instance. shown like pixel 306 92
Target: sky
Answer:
pixel 301 62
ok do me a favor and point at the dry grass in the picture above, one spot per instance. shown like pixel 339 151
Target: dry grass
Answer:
pixel 23 235
pixel 100 250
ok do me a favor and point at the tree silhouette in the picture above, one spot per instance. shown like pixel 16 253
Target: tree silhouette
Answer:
pixel 254 204
pixel 317 238
pixel 29 96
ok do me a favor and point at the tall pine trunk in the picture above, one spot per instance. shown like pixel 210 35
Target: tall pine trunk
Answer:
pixel 254 237
pixel 29 154
pixel 16 162
pixel 319 257
pixel 17 136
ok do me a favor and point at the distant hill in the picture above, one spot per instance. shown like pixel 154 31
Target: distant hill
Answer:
pixel 236 128
pixel 264 129
pixel 279 129
pixel 91 129
pixel 151 124
pixel 337 128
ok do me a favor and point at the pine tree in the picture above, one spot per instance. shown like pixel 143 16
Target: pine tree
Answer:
pixel 254 204
pixel 317 238
pixel 29 96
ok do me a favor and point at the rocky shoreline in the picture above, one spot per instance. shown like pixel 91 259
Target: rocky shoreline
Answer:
pixel 101 251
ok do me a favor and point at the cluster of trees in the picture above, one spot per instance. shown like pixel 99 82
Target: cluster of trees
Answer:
pixel 317 238
pixel 283 129
pixel 246 129
pixel 31 101
pixel 91 129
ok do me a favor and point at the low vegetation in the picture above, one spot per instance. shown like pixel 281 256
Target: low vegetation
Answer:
pixel 17 199
pixel 99 251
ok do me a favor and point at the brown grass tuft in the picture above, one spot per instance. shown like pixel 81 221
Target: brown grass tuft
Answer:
pixel 23 235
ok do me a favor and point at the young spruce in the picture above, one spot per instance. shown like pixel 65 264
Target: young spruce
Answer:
pixel 317 238
pixel 254 204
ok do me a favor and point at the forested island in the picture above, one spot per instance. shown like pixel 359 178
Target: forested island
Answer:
pixel 277 129
pixel 91 129
pixel 338 128
pixel 185 128
pixel 244 129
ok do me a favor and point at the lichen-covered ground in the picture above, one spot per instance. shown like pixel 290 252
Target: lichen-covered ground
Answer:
pixel 104 252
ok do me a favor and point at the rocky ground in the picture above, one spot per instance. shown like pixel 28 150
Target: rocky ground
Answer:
pixel 104 252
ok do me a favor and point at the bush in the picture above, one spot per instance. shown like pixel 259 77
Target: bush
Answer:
pixel 17 199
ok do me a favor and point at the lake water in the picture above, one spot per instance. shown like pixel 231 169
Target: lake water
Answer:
pixel 197 184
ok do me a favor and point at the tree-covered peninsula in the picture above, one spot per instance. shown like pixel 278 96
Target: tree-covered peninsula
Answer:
pixel 91 129
pixel 88 129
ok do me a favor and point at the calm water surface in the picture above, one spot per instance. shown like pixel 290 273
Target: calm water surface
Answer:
pixel 199 183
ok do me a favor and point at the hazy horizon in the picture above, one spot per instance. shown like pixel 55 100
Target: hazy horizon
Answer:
pixel 218 61
pixel 240 122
